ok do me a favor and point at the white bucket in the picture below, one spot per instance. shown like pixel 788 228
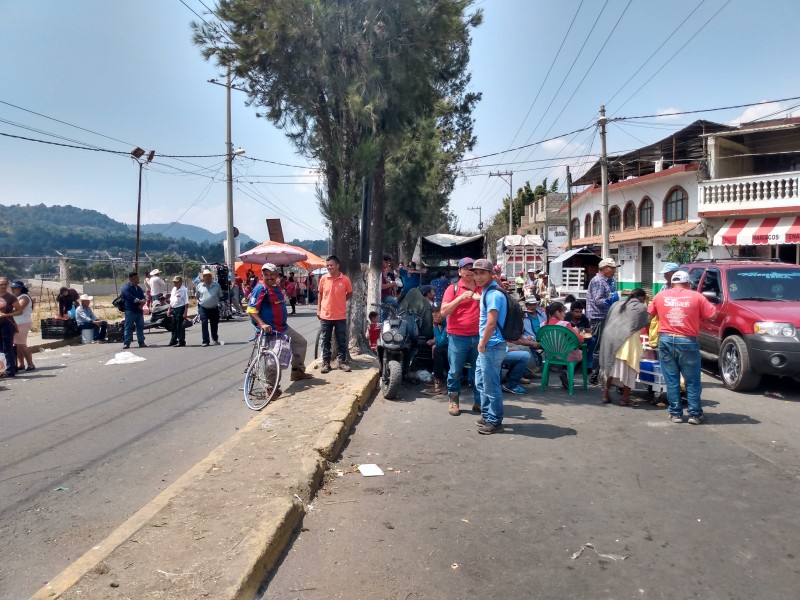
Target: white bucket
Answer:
pixel 87 335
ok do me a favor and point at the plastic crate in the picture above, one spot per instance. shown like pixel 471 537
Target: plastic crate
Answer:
pixel 59 329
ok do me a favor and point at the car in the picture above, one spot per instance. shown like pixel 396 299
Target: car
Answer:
pixel 756 330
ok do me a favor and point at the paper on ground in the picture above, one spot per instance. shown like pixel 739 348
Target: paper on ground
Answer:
pixel 370 470
pixel 124 358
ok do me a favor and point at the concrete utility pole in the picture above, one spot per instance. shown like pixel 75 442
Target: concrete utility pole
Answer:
pixel 480 219
pixel 569 210
pixel 229 160
pixel 604 184
pixel 510 175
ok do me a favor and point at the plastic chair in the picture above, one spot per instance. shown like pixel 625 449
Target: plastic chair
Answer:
pixel 557 342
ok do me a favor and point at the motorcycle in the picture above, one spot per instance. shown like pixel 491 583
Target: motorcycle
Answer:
pixel 397 345
pixel 159 318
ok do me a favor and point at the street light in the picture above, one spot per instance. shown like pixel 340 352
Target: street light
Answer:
pixel 137 154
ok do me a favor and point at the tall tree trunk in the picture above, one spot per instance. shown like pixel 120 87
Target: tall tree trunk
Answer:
pixel 376 230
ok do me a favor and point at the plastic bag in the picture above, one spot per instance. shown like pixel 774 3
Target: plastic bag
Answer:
pixel 424 376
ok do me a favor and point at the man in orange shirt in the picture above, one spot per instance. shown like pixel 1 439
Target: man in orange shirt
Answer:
pixel 335 290
pixel 679 311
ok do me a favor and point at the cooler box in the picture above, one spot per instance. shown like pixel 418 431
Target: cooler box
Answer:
pixel 650 371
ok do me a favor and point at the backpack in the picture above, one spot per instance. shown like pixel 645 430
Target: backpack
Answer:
pixel 119 303
pixel 512 328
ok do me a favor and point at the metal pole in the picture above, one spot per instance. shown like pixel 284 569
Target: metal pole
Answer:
pixel 510 202
pixel 138 218
pixel 569 210
pixel 604 184
pixel 229 159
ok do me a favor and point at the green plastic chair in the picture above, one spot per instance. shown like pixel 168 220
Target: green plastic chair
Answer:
pixel 557 342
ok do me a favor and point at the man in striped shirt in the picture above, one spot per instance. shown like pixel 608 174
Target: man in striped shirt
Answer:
pixel 602 293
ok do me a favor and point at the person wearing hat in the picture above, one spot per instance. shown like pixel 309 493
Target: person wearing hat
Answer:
pixel 209 294
pixel 668 271
pixel 134 311
pixel 679 310
pixel 460 308
pixel 178 304
pixel 529 288
pixel 602 293
pixel 156 286
pixel 24 322
pixel 88 320
pixel 9 308
pixel 492 349
pixel 267 310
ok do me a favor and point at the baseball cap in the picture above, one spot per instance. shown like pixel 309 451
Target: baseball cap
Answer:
pixel 607 262
pixel 680 277
pixel 483 264
pixel 464 262
pixel 425 289
pixel 669 268
pixel 532 270
pixel 17 284
pixel 269 267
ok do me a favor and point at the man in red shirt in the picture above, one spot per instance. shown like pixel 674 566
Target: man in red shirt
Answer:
pixel 335 290
pixel 679 311
pixel 461 308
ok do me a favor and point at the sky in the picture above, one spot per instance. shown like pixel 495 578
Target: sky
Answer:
pixel 115 75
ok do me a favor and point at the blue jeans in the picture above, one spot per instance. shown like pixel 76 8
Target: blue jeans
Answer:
pixel 339 328
pixel 460 350
pixel 99 332
pixel 516 362
pixel 133 318
pixel 487 382
pixel 681 356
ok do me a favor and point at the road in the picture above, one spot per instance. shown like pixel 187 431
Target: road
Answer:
pixel 85 444
pixel 704 511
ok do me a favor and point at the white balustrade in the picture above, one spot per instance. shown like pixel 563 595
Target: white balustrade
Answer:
pixel 776 190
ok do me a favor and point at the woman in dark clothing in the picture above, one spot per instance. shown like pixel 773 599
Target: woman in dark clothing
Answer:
pixel 67 300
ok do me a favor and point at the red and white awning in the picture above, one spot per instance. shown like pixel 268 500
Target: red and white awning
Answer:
pixel 759 232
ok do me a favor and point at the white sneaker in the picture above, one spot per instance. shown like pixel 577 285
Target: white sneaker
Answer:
pixel 216 343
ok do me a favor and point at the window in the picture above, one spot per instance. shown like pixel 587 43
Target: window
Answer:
pixel 695 275
pixel 629 216
pixel 587 226
pixel 646 213
pixel 676 206
pixel 711 282
pixel 576 228
pixel 597 225
pixel 614 219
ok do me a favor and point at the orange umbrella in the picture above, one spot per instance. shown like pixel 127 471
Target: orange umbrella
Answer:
pixel 312 262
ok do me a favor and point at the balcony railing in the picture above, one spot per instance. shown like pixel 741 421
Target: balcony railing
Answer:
pixel 776 190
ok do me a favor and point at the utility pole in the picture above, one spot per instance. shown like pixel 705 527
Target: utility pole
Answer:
pixel 229 161
pixel 569 210
pixel 480 219
pixel 510 175
pixel 604 184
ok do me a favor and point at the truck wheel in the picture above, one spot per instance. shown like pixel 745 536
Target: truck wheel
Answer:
pixel 734 365
pixel 390 381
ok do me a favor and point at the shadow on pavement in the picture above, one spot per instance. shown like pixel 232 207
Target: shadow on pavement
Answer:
pixel 538 430
pixel 731 419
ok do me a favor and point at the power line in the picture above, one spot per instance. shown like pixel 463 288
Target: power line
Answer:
pixel 527 145
pixel 703 110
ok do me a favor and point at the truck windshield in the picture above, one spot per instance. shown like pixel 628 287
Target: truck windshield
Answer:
pixel 764 283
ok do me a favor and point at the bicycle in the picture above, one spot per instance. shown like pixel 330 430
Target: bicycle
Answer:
pixel 271 352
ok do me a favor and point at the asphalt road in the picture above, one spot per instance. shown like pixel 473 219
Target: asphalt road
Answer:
pixel 85 444
pixel 705 511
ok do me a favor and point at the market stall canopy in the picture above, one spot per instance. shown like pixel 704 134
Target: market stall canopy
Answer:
pixel 439 248
pixel 310 261
pixel 759 231
pixel 273 253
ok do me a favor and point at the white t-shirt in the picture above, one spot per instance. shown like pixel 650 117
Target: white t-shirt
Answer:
pixel 179 297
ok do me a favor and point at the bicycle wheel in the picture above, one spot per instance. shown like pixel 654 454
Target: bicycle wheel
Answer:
pixel 262 380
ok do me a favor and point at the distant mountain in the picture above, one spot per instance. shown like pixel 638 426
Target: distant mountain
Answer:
pixel 190 232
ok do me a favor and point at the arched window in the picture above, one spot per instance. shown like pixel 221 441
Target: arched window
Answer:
pixel 576 228
pixel 587 226
pixel 676 206
pixel 597 225
pixel 646 213
pixel 614 219
pixel 629 216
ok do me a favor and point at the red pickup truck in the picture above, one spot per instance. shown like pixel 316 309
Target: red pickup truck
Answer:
pixel 757 328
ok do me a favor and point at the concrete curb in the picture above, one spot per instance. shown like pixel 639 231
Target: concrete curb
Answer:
pixel 219 529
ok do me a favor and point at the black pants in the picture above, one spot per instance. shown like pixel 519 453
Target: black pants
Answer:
pixel 7 345
pixel 209 316
pixel 178 326
pixel 597 331
pixel 441 364
pixel 293 303
pixel 328 327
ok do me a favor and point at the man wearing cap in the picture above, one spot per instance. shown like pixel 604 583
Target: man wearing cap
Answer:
pixel 335 290
pixel 492 349
pixel 208 293
pixel 134 311
pixel 178 303
pixel 156 286
pixel 529 289
pixel 668 271
pixel 460 308
pixel 679 311
pixel 602 293
pixel 86 319
pixel 267 309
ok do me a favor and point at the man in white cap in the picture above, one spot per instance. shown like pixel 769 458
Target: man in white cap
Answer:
pixel 156 286
pixel 602 293
pixel 208 293
pixel 267 309
pixel 86 319
pixel 679 310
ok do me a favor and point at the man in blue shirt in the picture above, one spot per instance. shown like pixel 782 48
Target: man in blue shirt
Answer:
pixel 602 293
pixel 491 349
pixel 134 311
pixel 208 293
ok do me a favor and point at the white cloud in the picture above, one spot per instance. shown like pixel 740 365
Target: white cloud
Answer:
pixel 554 145
pixel 667 114
pixel 751 113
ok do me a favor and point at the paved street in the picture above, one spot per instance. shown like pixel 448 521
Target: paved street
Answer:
pixel 85 445
pixel 699 511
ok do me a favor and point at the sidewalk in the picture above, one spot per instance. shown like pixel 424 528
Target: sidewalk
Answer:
pixel 219 529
